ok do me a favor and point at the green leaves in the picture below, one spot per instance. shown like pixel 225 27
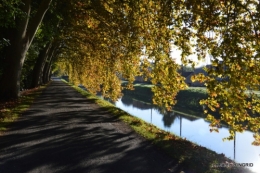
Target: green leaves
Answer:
pixel 9 9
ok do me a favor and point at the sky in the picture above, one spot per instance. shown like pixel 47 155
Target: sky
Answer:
pixel 176 54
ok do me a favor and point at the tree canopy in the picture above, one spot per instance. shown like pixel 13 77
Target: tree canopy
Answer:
pixel 102 41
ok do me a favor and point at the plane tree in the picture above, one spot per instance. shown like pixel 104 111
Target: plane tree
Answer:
pixel 20 37
pixel 102 41
pixel 113 38
pixel 229 32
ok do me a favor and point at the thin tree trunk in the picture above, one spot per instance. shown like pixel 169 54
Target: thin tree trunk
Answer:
pixel 45 77
pixel 44 80
pixel 50 65
pixel 20 43
pixel 39 65
pixel 49 72
pixel 46 72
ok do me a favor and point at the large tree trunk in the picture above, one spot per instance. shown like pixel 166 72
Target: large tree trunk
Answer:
pixel 20 42
pixel 10 81
pixel 39 65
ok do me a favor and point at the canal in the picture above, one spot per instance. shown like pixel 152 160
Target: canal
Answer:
pixel 196 129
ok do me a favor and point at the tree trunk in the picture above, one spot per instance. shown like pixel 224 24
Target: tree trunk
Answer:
pixel 47 66
pixel 49 72
pixel 44 79
pixel 20 40
pixel 39 65
pixel 10 80
pixel 56 53
pixel 46 72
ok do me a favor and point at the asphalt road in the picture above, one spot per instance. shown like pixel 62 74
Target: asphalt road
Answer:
pixel 64 132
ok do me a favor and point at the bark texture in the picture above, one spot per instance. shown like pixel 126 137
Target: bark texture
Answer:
pixel 39 65
pixel 20 38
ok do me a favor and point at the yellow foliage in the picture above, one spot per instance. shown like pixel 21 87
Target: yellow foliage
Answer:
pixel 125 39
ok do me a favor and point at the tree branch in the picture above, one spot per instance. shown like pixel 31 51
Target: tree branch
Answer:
pixel 22 22
pixel 44 6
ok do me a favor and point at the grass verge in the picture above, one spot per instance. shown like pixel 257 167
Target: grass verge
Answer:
pixel 10 110
pixel 190 156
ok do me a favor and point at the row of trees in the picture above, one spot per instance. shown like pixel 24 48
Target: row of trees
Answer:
pixel 99 41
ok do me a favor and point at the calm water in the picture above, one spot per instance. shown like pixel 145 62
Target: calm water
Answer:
pixel 197 131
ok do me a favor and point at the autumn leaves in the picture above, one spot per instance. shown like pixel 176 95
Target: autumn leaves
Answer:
pixel 125 39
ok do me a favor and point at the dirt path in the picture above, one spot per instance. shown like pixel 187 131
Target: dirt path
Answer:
pixel 64 132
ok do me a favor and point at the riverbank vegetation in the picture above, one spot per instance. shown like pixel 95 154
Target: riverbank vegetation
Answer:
pixel 188 155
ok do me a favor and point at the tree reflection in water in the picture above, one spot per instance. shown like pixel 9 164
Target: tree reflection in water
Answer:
pixel 168 116
pixel 128 101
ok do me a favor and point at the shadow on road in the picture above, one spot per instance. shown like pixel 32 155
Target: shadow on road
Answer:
pixel 64 132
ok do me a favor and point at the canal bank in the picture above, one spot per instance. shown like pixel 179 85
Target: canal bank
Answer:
pixel 190 155
pixel 195 129
pixel 188 121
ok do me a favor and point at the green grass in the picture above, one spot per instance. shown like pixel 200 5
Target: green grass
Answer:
pixel 188 155
pixel 10 111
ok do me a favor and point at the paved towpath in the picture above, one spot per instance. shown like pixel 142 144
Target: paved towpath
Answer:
pixel 65 132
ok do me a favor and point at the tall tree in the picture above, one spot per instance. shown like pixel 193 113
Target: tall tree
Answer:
pixel 108 40
pixel 105 40
pixel 20 38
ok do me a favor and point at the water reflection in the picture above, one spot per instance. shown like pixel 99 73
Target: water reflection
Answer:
pixel 235 146
pixel 168 117
pixel 180 125
pixel 196 130
pixel 129 101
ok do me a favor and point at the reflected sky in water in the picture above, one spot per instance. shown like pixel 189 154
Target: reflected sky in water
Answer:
pixel 197 131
